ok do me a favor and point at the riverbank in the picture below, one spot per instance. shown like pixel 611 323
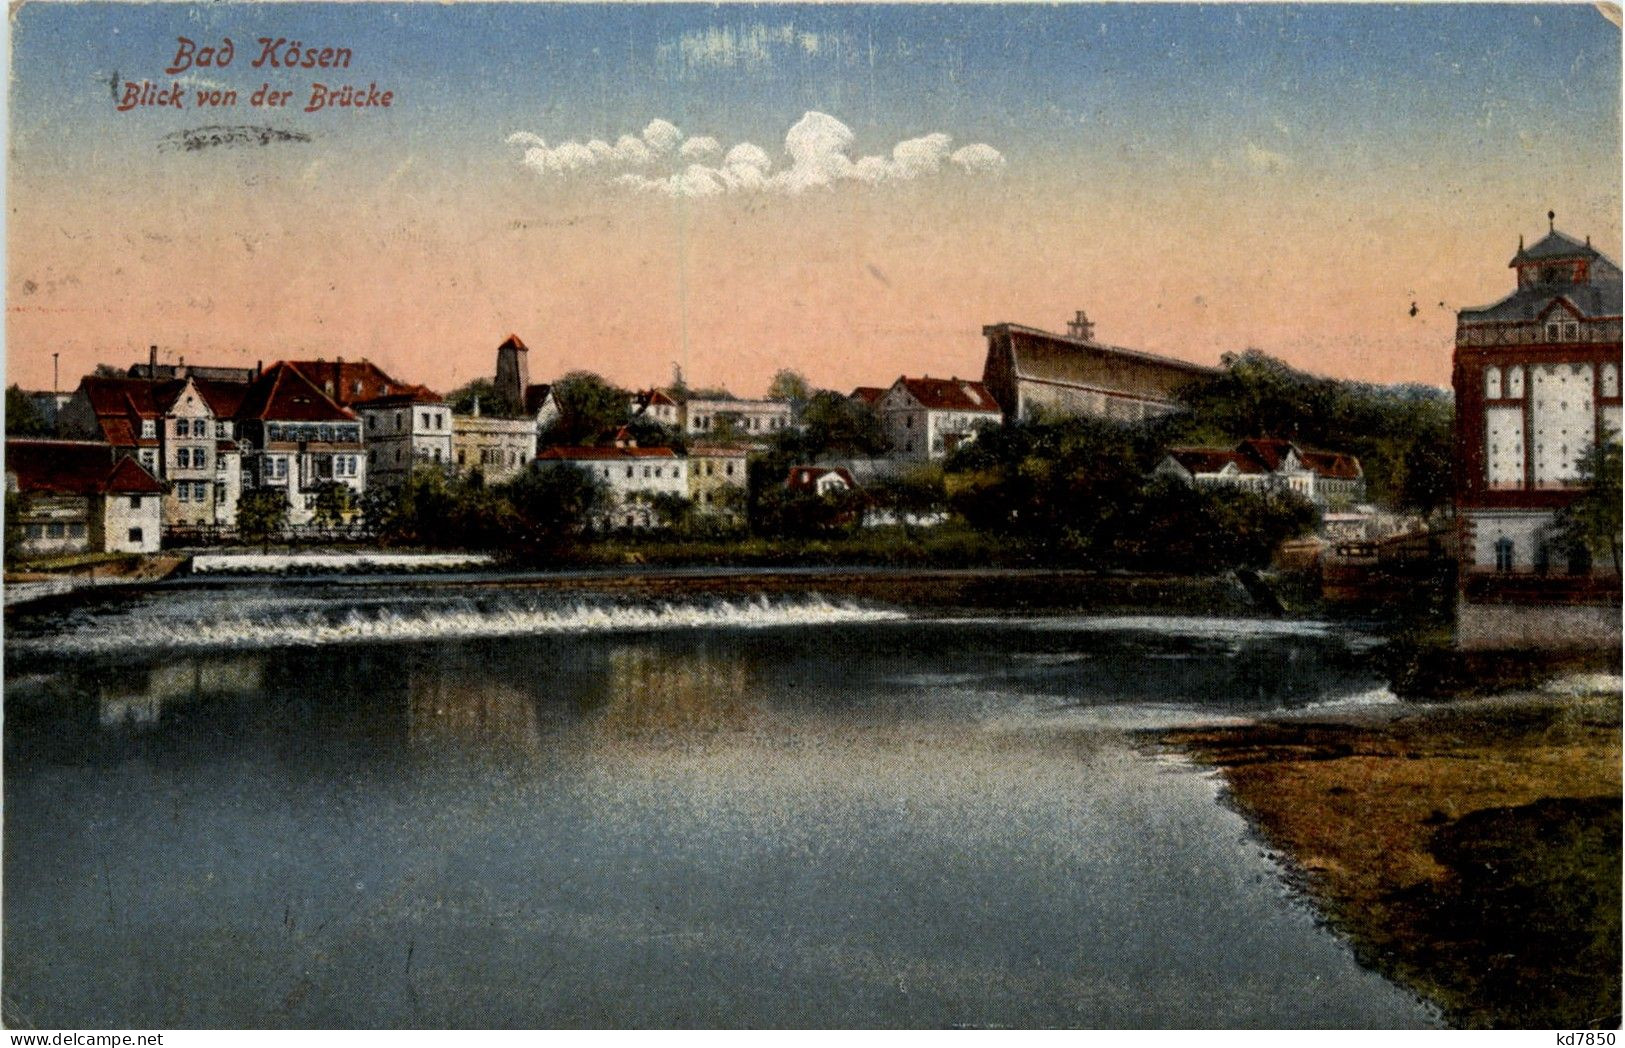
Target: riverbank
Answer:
pixel 1469 851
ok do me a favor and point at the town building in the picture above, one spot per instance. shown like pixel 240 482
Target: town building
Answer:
pixel 927 418
pixel 632 477
pixel 727 418
pixel 513 384
pixel 868 396
pixel 75 496
pixel 404 430
pixel 1537 383
pixel 499 449
pixel 298 440
pixel 181 430
pixel 717 477
pixel 156 372
pixel 820 480
pixel 1326 478
pixel 1032 372
pixel 658 406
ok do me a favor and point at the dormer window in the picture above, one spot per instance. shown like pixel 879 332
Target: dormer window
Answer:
pixel 149 429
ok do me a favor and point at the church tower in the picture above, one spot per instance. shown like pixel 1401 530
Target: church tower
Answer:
pixel 513 370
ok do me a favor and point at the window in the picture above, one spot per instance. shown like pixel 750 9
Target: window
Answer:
pixel 55 531
pixel 183 457
pixel 135 501
pixel 629 473
pixel 400 420
pixel 372 423
pixel 1503 554
pixel 200 492
pixel 135 535
pixel 149 429
pixel 424 416
pixel 36 531
pixel 182 427
pixel 645 472
pixel 149 458
pixel 729 469
pixel 200 427
pixel 76 530
pixel 183 492
pixel 200 458
pixel 222 429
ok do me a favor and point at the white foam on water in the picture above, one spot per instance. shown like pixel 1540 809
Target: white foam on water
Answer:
pixel 1585 684
pixel 443 623
pixel 1195 626
pixel 1378 696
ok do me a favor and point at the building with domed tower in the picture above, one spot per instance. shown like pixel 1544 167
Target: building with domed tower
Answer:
pixel 1537 383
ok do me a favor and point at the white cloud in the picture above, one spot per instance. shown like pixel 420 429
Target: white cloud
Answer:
pixel 1261 159
pixel 700 146
pixel 980 158
pixel 818 148
pixel 662 136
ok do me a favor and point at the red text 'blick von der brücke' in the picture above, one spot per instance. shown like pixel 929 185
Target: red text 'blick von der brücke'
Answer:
pixel 269 53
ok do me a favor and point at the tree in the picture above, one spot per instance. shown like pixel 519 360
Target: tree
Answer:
pixel 919 492
pixel 590 410
pixel 652 434
pixel 16 506
pixel 333 505
pixel 1593 520
pixel 671 511
pixel 791 386
pixel 554 502
pixel 23 418
pixel 496 404
pixel 262 513
pixel 835 425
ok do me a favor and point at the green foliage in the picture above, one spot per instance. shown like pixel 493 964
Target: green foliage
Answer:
pixel 492 403
pixel 671 511
pixel 333 505
pixel 805 514
pixel 790 386
pixel 431 509
pixel 1079 488
pixel 553 502
pixel 919 492
pixel 16 506
pixel 652 434
pixel 590 410
pixel 1402 434
pixel 262 513
pixel 1593 520
pixel 23 418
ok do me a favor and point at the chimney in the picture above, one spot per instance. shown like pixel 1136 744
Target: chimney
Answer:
pixel 259 367
pixel 180 368
pixel 1081 327
pixel 152 361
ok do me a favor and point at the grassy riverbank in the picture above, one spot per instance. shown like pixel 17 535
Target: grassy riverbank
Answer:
pixel 1469 851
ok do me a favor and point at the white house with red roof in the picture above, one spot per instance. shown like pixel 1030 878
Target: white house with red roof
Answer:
pixel 1326 478
pixel 298 440
pixel 633 476
pixel 78 496
pixel 181 430
pixel 927 418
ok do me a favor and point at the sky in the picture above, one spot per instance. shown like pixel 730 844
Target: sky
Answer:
pixel 853 192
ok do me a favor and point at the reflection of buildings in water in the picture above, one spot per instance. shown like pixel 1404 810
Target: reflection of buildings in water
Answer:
pixel 138 696
pixel 475 711
pixel 655 692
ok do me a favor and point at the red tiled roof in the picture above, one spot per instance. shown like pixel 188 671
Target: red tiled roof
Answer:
pixel 1212 460
pixel 717 451
pixel 1269 451
pixel 515 342
pixel 352 381
pixel 808 476
pixel 223 398
pixel 403 395
pixel 73 467
pixel 948 394
pixel 564 454
pixel 1333 465
pixel 285 394
pixel 867 394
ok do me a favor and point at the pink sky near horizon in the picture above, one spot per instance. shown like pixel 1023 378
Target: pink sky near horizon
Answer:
pixel 850 290
pixel 420 241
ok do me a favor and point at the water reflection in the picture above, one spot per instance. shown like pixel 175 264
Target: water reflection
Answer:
pixel 855 825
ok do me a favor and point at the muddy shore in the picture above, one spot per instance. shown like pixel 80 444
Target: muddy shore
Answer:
pixel 1469 851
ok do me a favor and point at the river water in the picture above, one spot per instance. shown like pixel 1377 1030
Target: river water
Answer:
pixel 312 806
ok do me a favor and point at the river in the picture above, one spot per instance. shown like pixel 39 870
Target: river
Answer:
pixel 297 805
